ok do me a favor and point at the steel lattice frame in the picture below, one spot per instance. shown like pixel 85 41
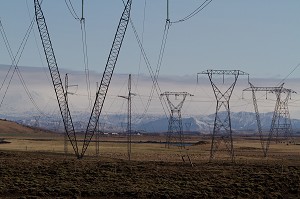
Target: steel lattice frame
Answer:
pixel 281 117
pixel 56 80
pixel 129 131
pixel 222 124
pixel 175 120
pixel 283 123
pixel 106 78
pixel 97 136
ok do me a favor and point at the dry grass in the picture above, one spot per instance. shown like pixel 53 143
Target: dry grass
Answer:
pixel 148 148
pixel 34 165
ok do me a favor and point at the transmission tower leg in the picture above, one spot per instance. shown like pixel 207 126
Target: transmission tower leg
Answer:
pixel 213 140
pixel 107 75
pixel 66 143
pixel 56 79
pixel 97 140
pixel 274 124
pixel 170 131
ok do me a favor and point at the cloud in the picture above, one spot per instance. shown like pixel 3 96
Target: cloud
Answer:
pixel 203 102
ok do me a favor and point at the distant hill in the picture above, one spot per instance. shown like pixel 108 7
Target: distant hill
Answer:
pixel 241 122
pixel 12 129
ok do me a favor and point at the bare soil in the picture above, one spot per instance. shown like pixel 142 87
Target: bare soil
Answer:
pixel 49 175
pixel 33 165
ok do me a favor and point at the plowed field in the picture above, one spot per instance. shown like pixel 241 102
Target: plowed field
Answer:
pixel 49 175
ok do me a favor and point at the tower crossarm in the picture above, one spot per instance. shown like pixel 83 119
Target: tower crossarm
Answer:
pixel 224 72
pixel 176 93
pixel 267 89
pixel 172 106
pixel 288 91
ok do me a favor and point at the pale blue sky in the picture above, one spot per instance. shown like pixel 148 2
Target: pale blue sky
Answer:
pixel 260 37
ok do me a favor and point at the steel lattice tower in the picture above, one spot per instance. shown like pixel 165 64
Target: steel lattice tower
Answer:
pixel 175 120
pixel 281 122
pixel 129 132
pixel 66 115
pixel 67 86
pixel 222 124
pixel 105 81
pixel 97 132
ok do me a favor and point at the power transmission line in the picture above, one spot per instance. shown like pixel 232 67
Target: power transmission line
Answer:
pixel 15 60
pixel 196 11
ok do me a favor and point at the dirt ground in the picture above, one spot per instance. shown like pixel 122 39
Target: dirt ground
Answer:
pixel 53 175
pixel 33 165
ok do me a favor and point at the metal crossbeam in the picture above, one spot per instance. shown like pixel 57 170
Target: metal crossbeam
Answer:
pixel 224 72
pixel 269 89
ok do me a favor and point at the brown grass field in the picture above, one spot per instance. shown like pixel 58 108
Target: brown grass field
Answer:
pixel 33 165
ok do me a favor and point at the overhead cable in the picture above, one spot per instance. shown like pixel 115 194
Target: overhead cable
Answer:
pixel 140 58
pixel 196 11
pixel 15 60
pixel 150 70
pixel 297 66
pixel 84 47
pixel 159 63
pixel 37 46
pixel 71 9
pixel 86 60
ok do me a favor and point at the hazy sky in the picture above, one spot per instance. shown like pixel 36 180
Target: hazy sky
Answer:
pixel 258 37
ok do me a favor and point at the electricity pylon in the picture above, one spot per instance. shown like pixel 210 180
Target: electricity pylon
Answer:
pixel 281 118
pixel 67 86
pixel 128 98
pixel 222 124
pixel 105 81
pixel 282 122
pixel 99 132
pixel 175 120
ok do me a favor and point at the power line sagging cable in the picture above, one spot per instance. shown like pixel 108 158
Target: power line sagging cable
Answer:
pixel 71 9
pixel 86 60
pixel 84 46
pixel 150 70
pixel 159 63
pixel 195 12
pixel 297 66
pixel 15 60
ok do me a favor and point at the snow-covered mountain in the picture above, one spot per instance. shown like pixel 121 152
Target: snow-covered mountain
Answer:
pixel 35 102
pixel 241 122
